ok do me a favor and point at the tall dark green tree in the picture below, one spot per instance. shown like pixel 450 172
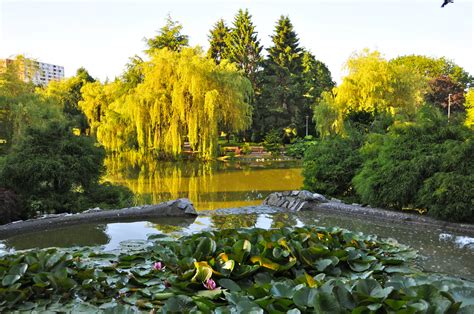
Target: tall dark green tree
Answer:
pixel 243 46
pixel 285 50
pixel 317 77
pixel 218 41
pixel 316 80
pixel 281 100
pixel 169 36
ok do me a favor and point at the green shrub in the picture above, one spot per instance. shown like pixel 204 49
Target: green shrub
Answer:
pixel 449 196
pixel 246 149
pixel 109 196
pixel 10 207
pixel 54 171
pixel 425 165
pixel 299 147
pixel 330 164
pixel 272 142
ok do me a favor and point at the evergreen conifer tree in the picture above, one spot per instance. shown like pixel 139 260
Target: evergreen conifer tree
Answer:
pixel 169 36
pixel 217 40
pixel 243 46
pixel 317 77
pixel 285 50
pixel 281 100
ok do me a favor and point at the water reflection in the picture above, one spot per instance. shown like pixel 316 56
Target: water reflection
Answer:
pixel 233 221
pixel 109 235
pixel 81 235
pixel 208 185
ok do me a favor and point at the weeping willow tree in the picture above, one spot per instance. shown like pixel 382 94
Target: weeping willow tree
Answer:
pixel 183 97
pixel 372 86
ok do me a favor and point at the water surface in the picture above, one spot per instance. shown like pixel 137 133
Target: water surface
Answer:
pixel 208 185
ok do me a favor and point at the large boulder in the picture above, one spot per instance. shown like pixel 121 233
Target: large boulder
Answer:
pixel 294 200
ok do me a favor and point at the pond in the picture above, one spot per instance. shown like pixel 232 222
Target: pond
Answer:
pixel 440 251
pixel 235 184
pixel 208 185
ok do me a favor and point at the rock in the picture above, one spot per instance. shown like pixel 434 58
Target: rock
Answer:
pixel 336 200
pixel 92 210
pixel 319 198
pixel 273 198
pixel 305 195
pixel 293 200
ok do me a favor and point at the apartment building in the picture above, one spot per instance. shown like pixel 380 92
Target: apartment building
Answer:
pixel 39 73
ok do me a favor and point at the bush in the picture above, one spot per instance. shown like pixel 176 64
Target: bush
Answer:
pixel 246 149
pixel 330 165
pixel 108 196
pixel 449 196
pixel 424 165
pixel 54 171
pixel 272 142
pixel 299 147
pixel 10 208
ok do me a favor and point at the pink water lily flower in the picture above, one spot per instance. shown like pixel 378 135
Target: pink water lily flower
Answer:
pixel 210 284
pixel 158 266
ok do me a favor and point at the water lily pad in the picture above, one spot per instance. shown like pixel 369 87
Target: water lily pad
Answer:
pixel 229 284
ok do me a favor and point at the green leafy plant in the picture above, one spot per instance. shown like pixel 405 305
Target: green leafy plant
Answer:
pixel 272 142
pixel 299 147
pixel 310 269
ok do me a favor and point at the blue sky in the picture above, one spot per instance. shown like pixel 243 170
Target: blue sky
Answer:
pixel 101 35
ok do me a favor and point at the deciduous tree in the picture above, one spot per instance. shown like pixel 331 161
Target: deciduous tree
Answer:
pixel 184 96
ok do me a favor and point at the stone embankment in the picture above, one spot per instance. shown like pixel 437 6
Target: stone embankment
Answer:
pixel 176 208
pixel 305 200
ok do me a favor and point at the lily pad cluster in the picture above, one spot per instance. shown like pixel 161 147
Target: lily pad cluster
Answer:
pixel 289 270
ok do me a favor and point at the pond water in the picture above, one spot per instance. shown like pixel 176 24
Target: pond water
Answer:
pixel 440 251
pixel 229 185
pixel 208 185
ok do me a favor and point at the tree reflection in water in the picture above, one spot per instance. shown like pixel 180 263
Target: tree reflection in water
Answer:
pixel 284 220
pixel 234 221
pixel 209 185
pixel 80 235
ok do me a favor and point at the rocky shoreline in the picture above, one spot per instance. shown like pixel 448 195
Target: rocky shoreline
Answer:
pixel 275 202
pixel 305 200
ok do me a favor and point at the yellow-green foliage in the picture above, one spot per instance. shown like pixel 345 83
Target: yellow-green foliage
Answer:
pixel 373 85
pixel 183 97
pixel 470 109
pixel 327 115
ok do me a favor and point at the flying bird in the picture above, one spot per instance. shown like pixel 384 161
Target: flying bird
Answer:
pixel 446 2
